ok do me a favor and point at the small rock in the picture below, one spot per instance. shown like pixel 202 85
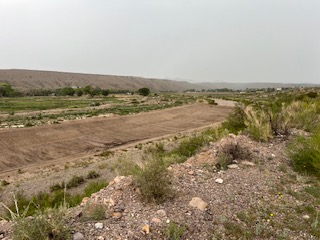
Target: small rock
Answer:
pixel 233 166
pixel 109 201
pixel 118 179
pixel 98 225
pixel 146 229
pixel 84 201
pixel 168 221
pixel 156 220
pixel 161 213
pixel 100 238
pixel 306 217
pixel 219 180
pixel 197 202
pixel 273 156
pixel 191 172
pixel 247 163
pixel 116 215
pixel 78 236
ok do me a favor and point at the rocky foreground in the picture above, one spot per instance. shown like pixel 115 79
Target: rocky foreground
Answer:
pixel 254 198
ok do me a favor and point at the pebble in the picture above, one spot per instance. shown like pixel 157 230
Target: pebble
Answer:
pixel 197 202
pixel 156 220
pixel 116 215
pixel 247 163
pixel 161 213
pixel 98 225
pixel 78 236
pixel 146 229
pixel 233 166
pixel 219 180
pixel 100 238
pixel 306 217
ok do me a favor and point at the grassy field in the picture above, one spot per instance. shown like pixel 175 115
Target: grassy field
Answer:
pixel 12 105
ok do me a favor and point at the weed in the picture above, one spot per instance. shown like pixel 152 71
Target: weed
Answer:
pixel 232 151
pixel 106 153
pixel 75 181
pixel 50 224
pixel 4 183
pixel 93 187
pixel 94 212
pixel 93 174
pixel 305 154
pixel 175 231
pixel 154 181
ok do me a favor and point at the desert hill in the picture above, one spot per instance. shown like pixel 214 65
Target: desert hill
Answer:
pixel 33 79
pixel 30 79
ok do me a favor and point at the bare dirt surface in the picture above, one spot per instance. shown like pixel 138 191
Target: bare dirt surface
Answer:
pixel 74 139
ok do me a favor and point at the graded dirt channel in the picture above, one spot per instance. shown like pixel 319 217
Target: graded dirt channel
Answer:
pixel 35 146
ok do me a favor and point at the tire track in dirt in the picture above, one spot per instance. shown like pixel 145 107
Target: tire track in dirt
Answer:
pixel 74 139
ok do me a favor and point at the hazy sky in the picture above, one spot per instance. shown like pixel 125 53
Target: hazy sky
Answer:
pixel 199 40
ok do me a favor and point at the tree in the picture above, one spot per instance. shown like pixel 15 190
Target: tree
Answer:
pixel 144 91
pixel 105 92
pixel 6 90
pixel 67 91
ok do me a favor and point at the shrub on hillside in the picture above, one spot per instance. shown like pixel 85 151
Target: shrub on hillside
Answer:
pixel 230 152
pixel 154 181
pixel 305 153
pixel 51 224
pixel 235 121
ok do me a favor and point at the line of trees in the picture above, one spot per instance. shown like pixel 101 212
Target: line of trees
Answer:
pixel 6 90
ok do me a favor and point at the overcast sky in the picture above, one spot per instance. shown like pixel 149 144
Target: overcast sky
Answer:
pixel 198 40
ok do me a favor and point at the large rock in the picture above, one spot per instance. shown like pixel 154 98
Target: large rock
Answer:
pixel 197 202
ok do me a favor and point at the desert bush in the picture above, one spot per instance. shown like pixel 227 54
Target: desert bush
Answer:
pixel 50 224
pixel 95 186
pixel 232 151
pixel 304 115
pixel 153 179
pixel 4 183
pixel 257 125
pixel 93 174
pixel 305 153
pixel 57 186
pixel 236 120
pixel 94 212
pixel 175 231
pixel 75 181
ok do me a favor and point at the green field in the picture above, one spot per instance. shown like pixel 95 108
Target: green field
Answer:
pixel 11 105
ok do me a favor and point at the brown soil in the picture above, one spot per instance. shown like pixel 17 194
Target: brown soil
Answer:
pixel 36 146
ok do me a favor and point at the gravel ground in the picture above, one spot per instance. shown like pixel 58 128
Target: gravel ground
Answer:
pixel 253 199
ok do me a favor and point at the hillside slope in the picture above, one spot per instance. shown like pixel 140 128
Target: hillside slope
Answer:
pixel 31 79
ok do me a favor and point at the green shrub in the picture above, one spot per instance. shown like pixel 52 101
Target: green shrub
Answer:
pixel 305 153
pixel 93 187
pixel 175 231
pixel 94 212
pixel 93 174
pixel 75 181
pixel 4 183
pixel 51 224
pixel 153 179
pixel 57 187
pixel 235 121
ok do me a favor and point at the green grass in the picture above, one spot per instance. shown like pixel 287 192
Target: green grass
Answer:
pixel 55 199
pixel 9 105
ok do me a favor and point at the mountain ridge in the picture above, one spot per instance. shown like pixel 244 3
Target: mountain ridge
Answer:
pixel 24 79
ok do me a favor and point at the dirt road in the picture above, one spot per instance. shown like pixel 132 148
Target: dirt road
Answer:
pixel 74 139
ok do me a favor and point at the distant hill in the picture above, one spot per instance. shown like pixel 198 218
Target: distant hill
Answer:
pixel 32 79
